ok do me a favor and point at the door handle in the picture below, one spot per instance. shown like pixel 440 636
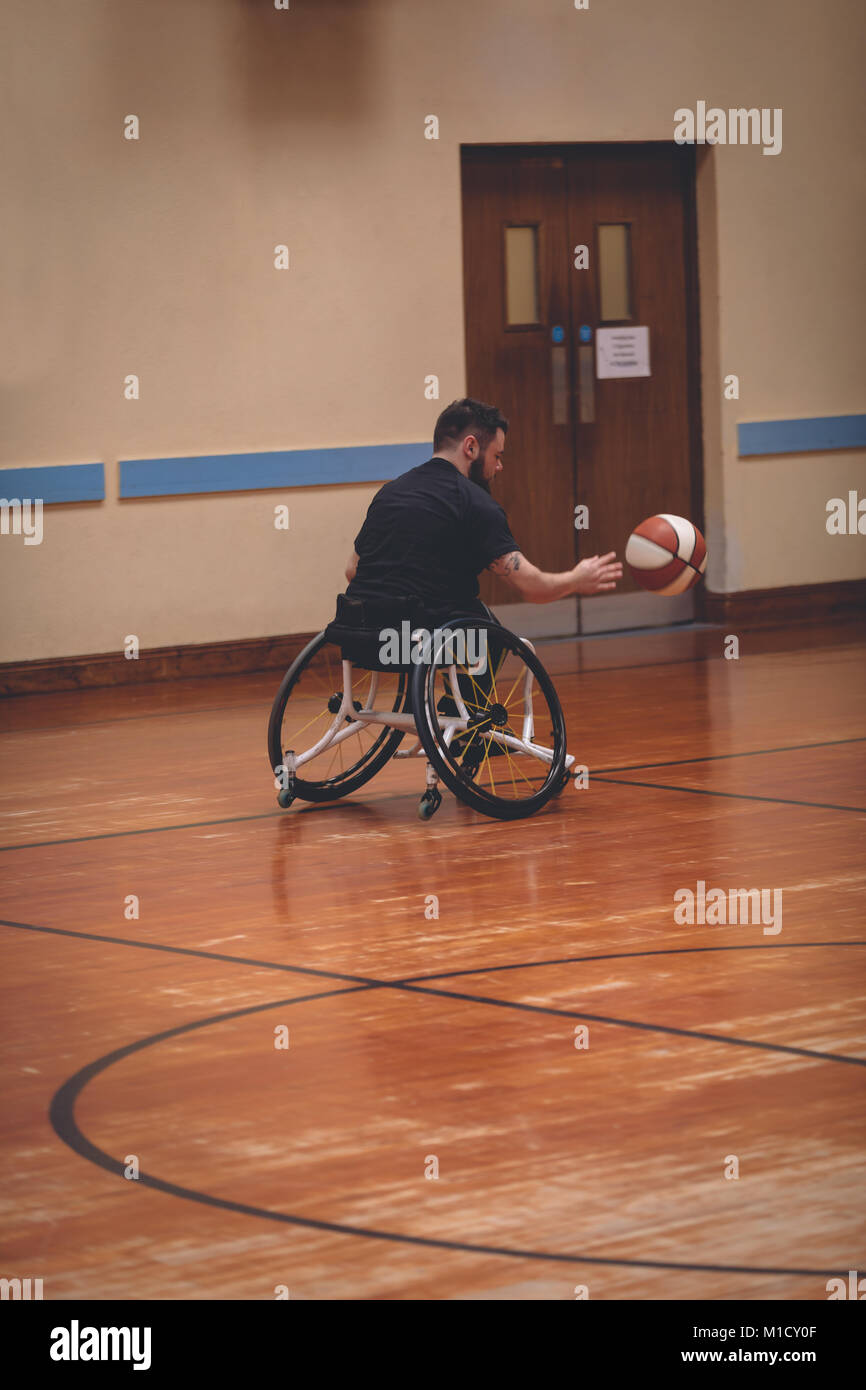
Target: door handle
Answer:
pixel 586 384
pixel 559 383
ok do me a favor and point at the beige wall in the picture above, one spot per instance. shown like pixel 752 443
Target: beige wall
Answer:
pixel 306 127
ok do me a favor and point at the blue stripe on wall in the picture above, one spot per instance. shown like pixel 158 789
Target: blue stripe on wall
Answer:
pixel 60 482
pixel 802 436
pixel 366 463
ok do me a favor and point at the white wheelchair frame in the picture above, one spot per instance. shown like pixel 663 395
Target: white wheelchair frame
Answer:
pixel 348 721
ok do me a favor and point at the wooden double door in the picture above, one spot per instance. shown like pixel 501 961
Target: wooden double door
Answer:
pixel 581 323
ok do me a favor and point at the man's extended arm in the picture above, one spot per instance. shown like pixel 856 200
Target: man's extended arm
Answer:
pixel 592 576
pixel 352 567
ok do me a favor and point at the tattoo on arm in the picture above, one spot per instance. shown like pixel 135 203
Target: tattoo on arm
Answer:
pixel 506 564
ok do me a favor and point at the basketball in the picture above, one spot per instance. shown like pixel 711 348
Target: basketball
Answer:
pixel 666 554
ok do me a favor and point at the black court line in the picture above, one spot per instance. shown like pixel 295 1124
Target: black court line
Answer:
pixel 416 984
pixel 723 757
pixel 364 980
pixel 732 796
pixel 632 1023
pixel 62 1116
pixel 601 774
pixel 623 955
pixel 137 943
pixel 145 830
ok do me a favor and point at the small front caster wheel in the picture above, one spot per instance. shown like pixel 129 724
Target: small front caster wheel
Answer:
pixel 429 804
pixel 285 797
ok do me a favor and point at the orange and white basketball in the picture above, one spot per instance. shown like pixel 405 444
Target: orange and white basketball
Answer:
pixel 666 554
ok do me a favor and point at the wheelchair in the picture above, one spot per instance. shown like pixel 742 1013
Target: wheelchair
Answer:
pixel 472 697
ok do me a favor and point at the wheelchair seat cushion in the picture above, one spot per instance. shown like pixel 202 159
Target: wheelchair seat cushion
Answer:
pixel 360 627
pixel 359 624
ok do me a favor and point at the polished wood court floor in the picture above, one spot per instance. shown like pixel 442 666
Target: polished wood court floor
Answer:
pixel 418 1040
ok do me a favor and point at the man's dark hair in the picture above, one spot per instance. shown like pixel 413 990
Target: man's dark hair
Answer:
pixel 468 417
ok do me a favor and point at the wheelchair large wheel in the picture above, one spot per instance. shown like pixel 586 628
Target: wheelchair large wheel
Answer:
pixel 498 741
pixel 304 710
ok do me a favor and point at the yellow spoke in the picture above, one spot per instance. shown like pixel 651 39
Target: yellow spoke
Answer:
pixel 468 742
pixel 476 729
pixel 495 672
pixel 511 691
pixel 485 699
pixel 363 676
pixel 512 764
pixel 308 677
pixel 330 767
pixel 321 715
pixel 525 778
pixel 511 774
pixel 487 761
pixel 521 669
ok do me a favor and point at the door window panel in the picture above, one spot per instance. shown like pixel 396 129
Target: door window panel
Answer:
pixel 614 271
pixel 521 276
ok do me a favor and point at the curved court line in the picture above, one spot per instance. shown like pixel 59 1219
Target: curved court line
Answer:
pixel 618 955
pixel 65 1125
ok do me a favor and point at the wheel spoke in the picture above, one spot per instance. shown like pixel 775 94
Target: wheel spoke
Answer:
pixel 502 688
pixel 306 718
pixel 484 699
pixel 511 691
pixel 297 732
pixel 529 784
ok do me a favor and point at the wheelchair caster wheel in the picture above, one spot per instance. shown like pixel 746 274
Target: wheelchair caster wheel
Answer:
pixel 285 797
pixel 429 804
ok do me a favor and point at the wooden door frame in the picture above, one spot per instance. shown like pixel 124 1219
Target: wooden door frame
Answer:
pixel 562 150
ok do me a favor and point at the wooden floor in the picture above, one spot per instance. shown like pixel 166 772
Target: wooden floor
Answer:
pixel 414 1037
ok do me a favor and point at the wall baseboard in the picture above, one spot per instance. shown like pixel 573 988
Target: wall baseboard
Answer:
pixel 796 603
pixel 749 609
pixel 238 657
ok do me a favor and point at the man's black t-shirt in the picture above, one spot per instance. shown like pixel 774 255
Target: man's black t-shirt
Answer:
pixel 428 534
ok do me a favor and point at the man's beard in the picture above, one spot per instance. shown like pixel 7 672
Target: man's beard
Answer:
pixel 476 473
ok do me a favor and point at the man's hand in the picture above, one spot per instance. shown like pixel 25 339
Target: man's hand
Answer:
pixel 598 573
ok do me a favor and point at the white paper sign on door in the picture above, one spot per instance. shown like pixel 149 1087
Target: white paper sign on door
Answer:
pixel 622 352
